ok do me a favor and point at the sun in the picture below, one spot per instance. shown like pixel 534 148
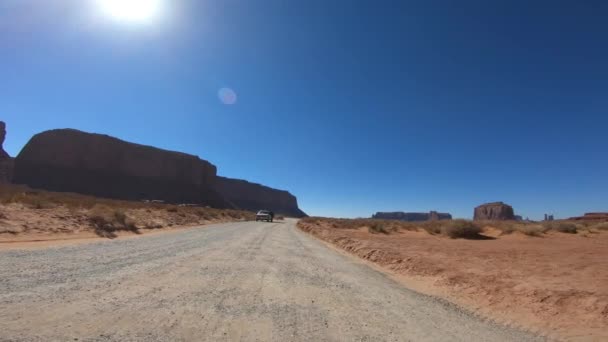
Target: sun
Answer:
pixel 131 10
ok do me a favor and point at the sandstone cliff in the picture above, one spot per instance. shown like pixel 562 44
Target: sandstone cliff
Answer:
pixel 251 196
pixel 6 162
pixel 412 217
pixel 494 211
pixel 99 165
pixel 591 217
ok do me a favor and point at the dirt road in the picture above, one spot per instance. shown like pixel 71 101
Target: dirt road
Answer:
pixel 231 282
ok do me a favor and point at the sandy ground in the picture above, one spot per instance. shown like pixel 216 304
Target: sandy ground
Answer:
pixel 20 224
pixel 557 284
pixel 248 281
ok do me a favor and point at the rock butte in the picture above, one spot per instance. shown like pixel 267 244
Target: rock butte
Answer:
pixel 100 165
pixel 6 162
pixel 494 211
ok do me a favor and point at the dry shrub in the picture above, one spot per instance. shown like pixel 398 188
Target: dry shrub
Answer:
pixel 106 219
pixel 460 229
pixel 561 226
pixel 600 226
pixel 532 229
pixel 432 227
pixel 40 199
pixel 378 227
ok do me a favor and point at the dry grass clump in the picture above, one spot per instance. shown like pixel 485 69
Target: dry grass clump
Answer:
pixel 532 229
pixel 508 227
pixel 40 199
pixel 561 226
pixel 537 229
pixel 460 229
pixel 373 225
pixel 599 226
pixel 450 228
pixel 107 220
pixel 106 216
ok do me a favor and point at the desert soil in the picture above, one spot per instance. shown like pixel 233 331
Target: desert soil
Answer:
pixel 248 281
pixel 556 284
pixel 21 223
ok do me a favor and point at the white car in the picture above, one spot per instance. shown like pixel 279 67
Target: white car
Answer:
pixel 264 215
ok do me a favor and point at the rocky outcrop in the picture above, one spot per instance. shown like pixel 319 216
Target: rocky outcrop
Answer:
pixel 494 211
pixel 6 162
pixel 412 217
pixel 591 217
pixel 74 161
pixel 252 196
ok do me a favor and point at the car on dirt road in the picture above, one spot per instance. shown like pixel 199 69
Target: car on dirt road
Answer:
pixel 264 215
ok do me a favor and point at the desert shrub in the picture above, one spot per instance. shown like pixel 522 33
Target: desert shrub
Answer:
pixel 600 226
pixel 561 226
pixel 531 229
pixel 432 227
pixel 507 227
pixel 104 218
pixel 377 227
pixel 460 229
pixel 41 203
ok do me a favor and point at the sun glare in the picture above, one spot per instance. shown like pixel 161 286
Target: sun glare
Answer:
pixel 131 10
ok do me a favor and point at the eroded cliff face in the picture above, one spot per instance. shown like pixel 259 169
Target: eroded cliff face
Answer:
pixel 412 217
pixel 6 162
pixel 494 211
pixel 252 196
pixel 100 165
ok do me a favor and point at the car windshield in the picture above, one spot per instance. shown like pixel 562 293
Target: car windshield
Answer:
pixel 262 212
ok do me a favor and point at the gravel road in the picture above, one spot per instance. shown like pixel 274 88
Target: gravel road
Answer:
pixel 244 281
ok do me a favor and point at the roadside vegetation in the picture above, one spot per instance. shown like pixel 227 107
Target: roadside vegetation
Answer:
pixel 460 228
pixel 22 208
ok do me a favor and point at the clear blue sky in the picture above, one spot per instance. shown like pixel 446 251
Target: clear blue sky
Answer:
pixel 353 106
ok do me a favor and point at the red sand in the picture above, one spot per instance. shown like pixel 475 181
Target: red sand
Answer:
pixel 556 284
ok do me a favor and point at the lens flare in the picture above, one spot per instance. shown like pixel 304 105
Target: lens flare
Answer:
pixel 227 96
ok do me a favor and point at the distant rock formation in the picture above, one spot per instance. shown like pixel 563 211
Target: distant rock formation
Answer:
pixel 591 217
pixel 252 196
pixel 73 161
pixel 494 211
pixel 412 217
pixel 6 162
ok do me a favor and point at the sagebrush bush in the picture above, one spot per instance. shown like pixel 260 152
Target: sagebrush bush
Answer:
pixel 561 226
pixel 600 226
pixel 531 229
pixel 432 227
pixel 460 229
pixel 108 219
pixel 378 227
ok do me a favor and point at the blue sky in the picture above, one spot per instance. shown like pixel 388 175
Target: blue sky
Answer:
pixel 353 106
